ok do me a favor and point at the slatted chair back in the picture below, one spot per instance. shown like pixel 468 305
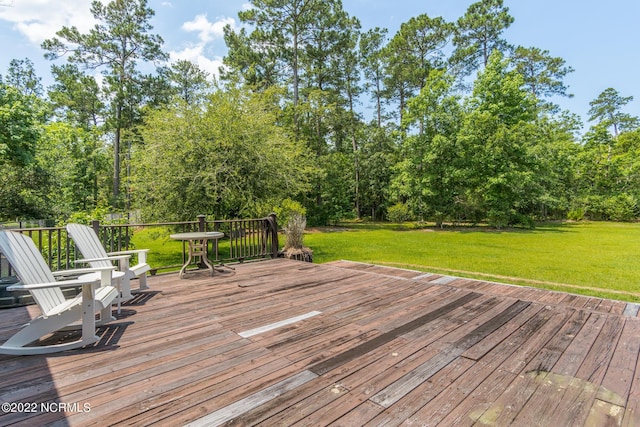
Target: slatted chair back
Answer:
pixel 31 268
pixel 91 245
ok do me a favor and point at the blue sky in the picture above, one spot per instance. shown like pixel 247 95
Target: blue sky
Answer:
pixel 600 40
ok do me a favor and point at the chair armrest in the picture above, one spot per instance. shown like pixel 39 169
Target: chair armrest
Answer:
pixel 142 254
pixel 82 270
pixel 60 284
pixel 109 258
pixel 131 252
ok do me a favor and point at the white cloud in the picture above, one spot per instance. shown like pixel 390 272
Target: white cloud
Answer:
pixel 196 55
pixel 41 19
pixel 208 31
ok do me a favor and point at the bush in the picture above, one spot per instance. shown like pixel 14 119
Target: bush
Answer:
pixel 594 208
pixel 621 208
pixel 288 209
pixel 398 213
pixel 576 214
pixel 497 219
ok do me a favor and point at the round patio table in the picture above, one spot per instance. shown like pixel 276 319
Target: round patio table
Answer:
pixel 198 244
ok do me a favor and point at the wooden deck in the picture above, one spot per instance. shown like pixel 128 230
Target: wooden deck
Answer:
pixel 283 343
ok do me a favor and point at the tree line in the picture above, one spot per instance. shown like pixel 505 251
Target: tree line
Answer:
pixel 463 128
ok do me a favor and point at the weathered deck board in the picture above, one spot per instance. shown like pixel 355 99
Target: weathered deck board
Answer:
pixel 385 346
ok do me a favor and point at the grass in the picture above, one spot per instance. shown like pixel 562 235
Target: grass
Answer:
pixel 590 258
pixel 164 251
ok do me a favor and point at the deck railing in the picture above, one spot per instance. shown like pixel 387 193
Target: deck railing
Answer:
pixel 244 239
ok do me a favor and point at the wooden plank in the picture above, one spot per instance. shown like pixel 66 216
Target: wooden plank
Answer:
pixel 632 412
pixel 474 406
pixel 361 366
pixel 443 280
pixel 338 360
pixel 586 385
pixel 415 399
pixel 142 397
pixel 379 368
pixel 229 412
pixel 483 372
pixel 480 349
pixel 605 414
pixel 526 359
pixel 631 310
pixel 142 373
pixel 359 415
pixel 573 356
pixel 279 324
pixel 280 408
pixel 183 401
pixel 543 402
pixel 301 409
pixel 618 307
pixel 392 393
pixel 616 383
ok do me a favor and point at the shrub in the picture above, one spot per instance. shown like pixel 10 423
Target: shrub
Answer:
pixel 622 207
pixel 576 214
pixel 594 208
pixel 497 218
pixel 287 209
pixel 398 213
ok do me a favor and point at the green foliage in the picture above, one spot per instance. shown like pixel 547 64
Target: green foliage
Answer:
pixel 621 207
pixel 22 76
pixel 412 54
pixel 332 199
pixel 377 157
pixel 24 185
pixel 398 213
pixel 576 214
pixel 75 97
pixel 188 82
pixel 478 34
pixel 99 213
pixel 225 160
pixel 287 209
pixel 74 159
pixel 287 126
pixel 542 73
pixel 118 43
pixel 20 126
pixel 606 109
pixel 495 140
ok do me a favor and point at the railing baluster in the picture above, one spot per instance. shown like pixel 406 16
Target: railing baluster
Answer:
pixel 246 238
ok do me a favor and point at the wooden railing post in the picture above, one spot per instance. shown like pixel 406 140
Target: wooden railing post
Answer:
pixel 201 224
pixel 272 220
pixel 202 228
pixel 95 224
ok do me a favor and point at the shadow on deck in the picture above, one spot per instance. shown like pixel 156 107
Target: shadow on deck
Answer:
pixel 282 342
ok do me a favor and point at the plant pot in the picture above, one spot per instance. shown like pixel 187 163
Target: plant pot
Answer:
pixel 298 254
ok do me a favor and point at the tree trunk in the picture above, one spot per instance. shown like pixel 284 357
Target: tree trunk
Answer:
pixel 116 159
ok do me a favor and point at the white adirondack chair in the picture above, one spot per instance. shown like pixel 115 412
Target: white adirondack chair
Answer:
pixel 89 244
pixel 57 312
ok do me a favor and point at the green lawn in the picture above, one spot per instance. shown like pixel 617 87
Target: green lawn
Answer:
pixel 165 252
pixel 590 258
